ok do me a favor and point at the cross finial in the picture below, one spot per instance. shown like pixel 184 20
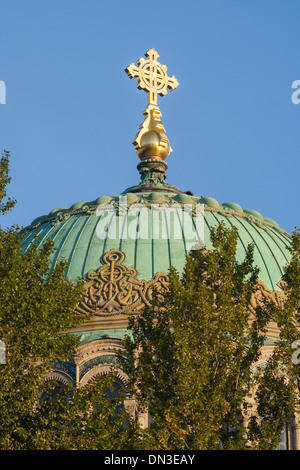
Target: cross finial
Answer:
pixel 151 142
pixel 152 76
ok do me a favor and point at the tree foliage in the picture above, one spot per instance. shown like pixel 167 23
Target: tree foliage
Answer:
pixel 36 311
pixel 191 354
pixel 277 385
pixel 6 203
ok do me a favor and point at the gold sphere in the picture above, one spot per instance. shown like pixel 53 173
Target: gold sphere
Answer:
pixel 150 138
pixel 153 145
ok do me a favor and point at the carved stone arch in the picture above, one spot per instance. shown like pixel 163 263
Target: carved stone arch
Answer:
pixel 266 352
pixel 96 348
pixel 251 410
pixel 60 376
pixel 103 369
pixel 97 355
pixel 63 379
pixel 122 380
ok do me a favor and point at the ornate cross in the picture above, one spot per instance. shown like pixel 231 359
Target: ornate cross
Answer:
pixel 152 76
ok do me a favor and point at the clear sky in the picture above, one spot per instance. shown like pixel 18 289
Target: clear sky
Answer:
pixel 71 112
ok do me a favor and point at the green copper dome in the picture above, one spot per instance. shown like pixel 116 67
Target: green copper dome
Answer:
pixel 78 233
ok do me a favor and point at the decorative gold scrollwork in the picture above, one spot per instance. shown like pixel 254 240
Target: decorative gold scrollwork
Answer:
pixel 114 289
pixel 263 294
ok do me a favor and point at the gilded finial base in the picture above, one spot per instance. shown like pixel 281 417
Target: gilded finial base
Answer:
pixel 152 140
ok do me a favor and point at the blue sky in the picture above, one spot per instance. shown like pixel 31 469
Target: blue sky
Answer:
pixel 71 112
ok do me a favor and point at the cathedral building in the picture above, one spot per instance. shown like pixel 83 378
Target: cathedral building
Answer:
pixel 123 245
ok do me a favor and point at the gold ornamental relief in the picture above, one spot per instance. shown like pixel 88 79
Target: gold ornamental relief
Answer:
pixel 114 289
pixel 263 294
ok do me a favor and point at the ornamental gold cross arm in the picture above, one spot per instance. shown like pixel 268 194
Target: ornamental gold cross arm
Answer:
pixel 151 142
pixel 152 76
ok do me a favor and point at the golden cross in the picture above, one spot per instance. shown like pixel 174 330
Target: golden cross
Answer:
pixel 152 76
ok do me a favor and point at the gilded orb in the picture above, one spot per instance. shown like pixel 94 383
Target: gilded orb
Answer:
pixel 153 145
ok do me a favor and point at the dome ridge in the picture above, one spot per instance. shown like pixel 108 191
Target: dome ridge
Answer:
pixel 228 209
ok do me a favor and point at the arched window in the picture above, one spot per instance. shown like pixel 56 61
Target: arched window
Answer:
pixel 2 352
pixel 286 438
